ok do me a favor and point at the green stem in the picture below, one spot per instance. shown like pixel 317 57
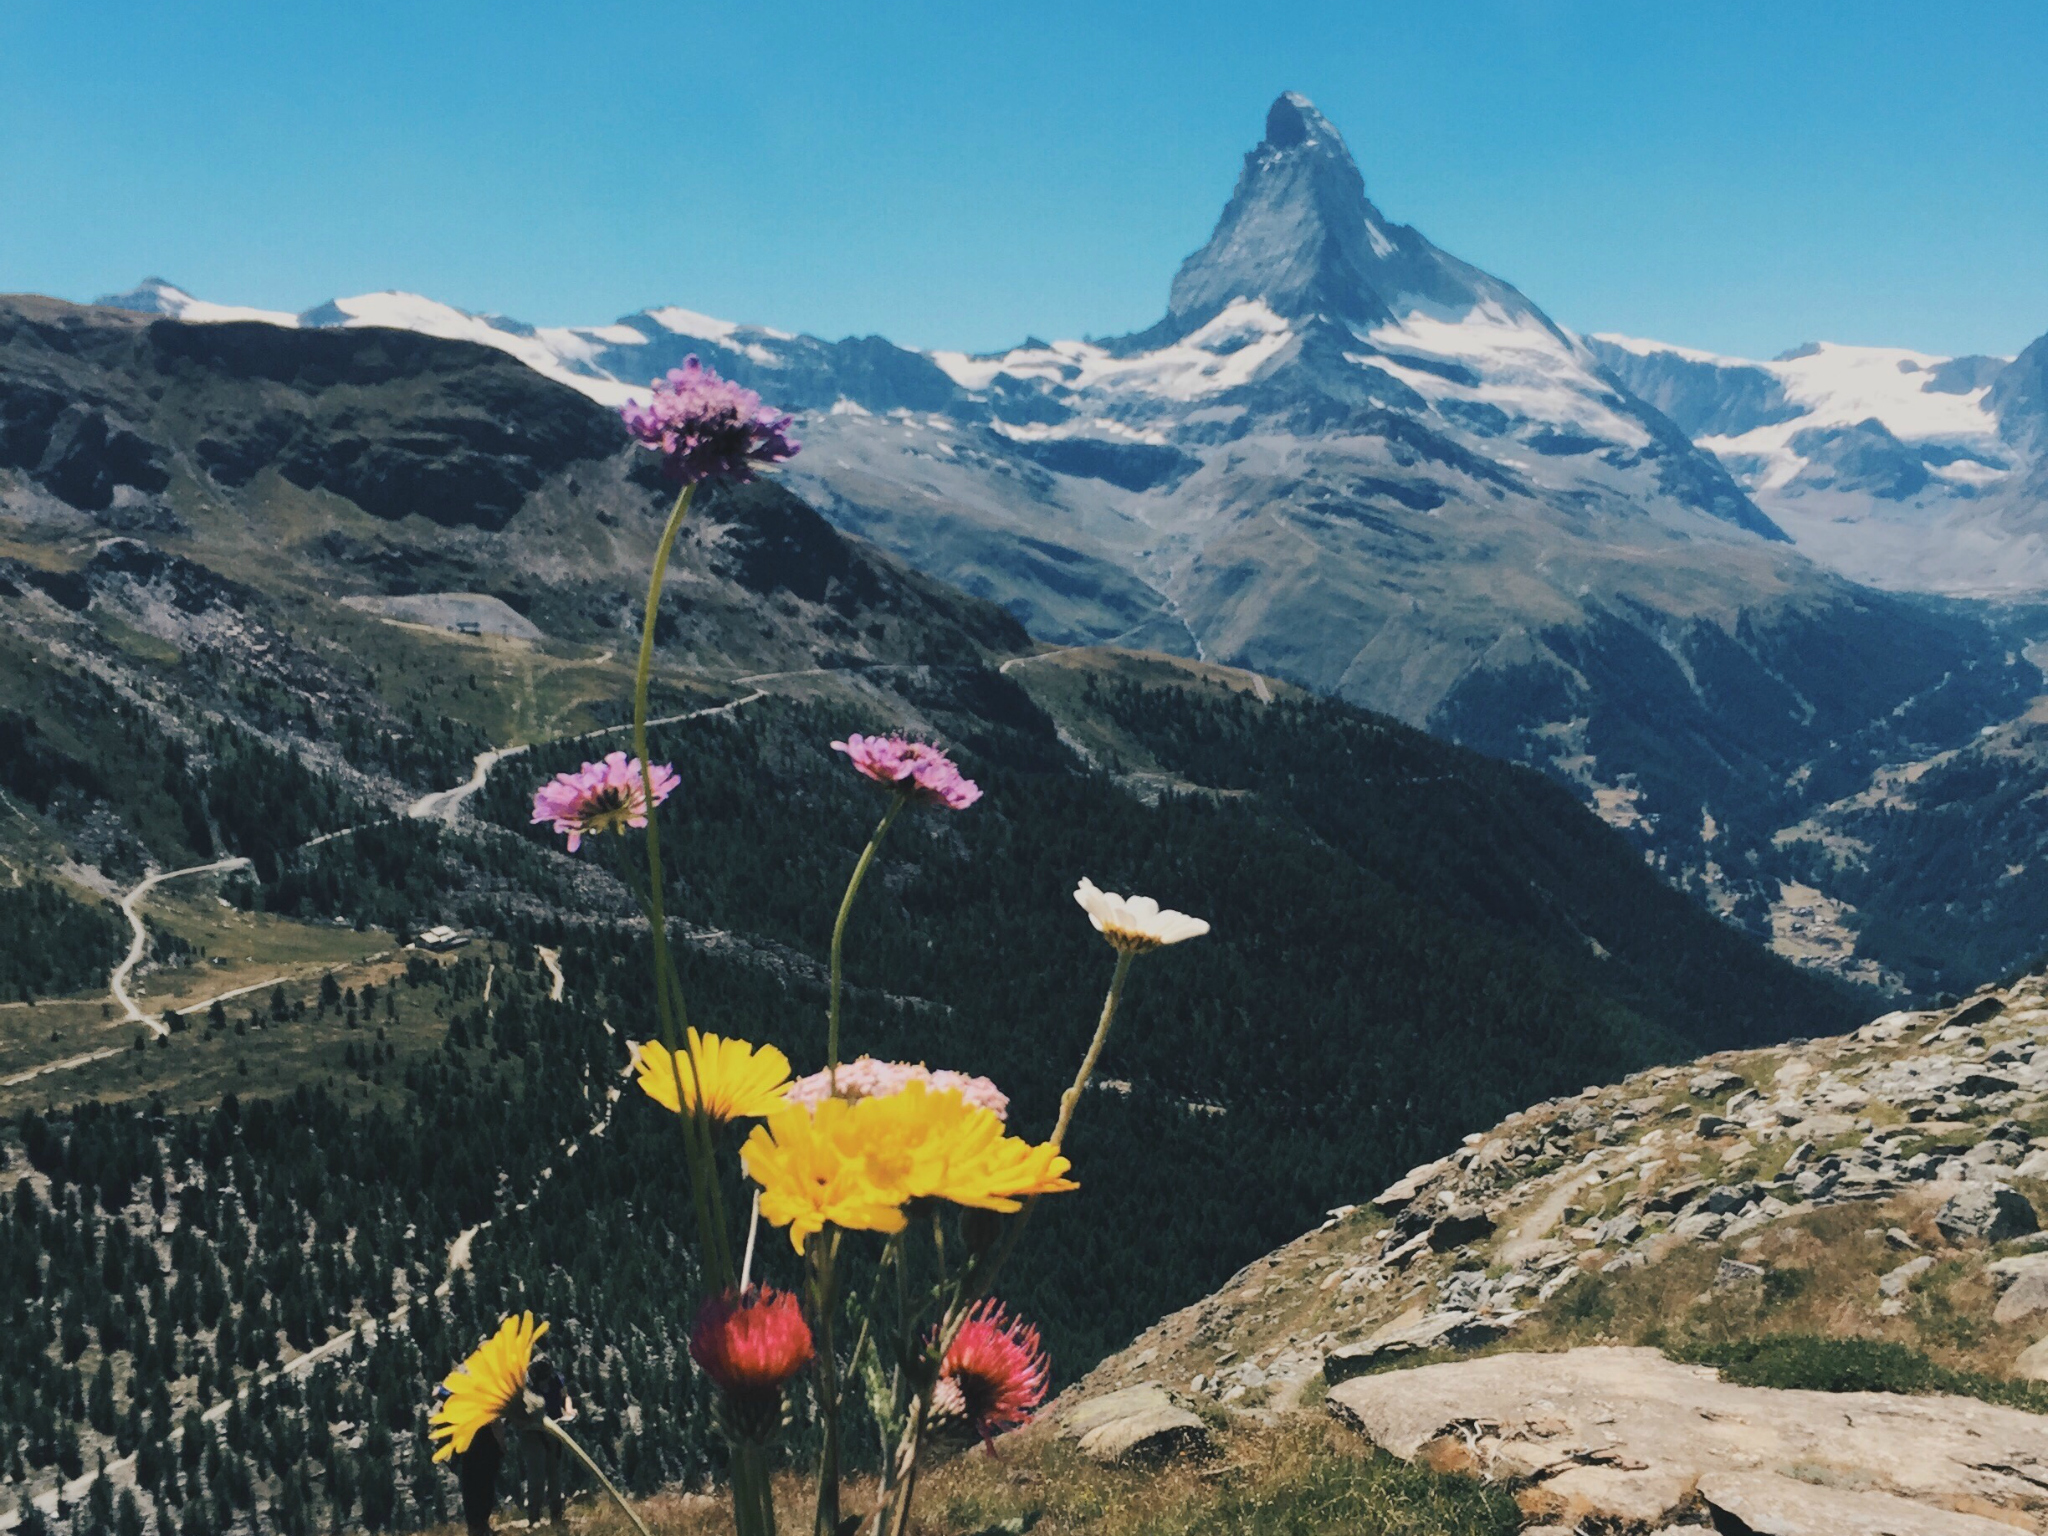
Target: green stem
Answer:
pixel 596 1471
pixel 860 873
pixel 671 1014
pixel 1072 1096
pixel 820 1255
pixel 664 973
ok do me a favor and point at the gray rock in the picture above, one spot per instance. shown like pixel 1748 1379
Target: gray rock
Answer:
pixel 2033 1166
pixel 1771 1505
pixel 1715 1126
pixel 1897 1282
pixel 1714 1080
pixel 1623 1263
pixel 1981 1085
pixel 1673 1196
pixel 1397 1196
pixel 1734 1272
pixel 1899 1237
pixel 2023 1298
pixel 1727 1199
pixel 1990 1212
pixel 1140 1423
pixel 1623 1439
pixel 2032 1364
pixel 1414 1333
pixel 1701 1227
pixel 1459 1226
pixel 2001 1152
pixel 1625 1228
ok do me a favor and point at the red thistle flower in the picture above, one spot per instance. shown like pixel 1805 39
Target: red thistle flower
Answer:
pixel 750 1343
pixel 996 1372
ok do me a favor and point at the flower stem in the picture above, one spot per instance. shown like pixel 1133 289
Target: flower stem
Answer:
pixel 860 873
pixel 664 972
pixel 1072 1096
pixel 819 1253
pixel 596 1471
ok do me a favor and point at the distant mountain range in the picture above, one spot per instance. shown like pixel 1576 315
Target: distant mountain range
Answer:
pixel 1347 458
pixel 1897 468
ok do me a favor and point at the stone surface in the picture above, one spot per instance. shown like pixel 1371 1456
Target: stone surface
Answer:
pixel 1770 1505
pixel 1619 1425
pixel 1412 1333
pixel 1898 1281
pixel 1992 1212
pixel 1137 1424
pixel 2032 1362
pixel 2023 1298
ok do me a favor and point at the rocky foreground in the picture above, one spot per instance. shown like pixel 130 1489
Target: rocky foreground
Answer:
pixel 1487 1313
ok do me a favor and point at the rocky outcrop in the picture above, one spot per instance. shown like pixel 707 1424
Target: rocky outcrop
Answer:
pixel 1141 1423
pixel 1625 1440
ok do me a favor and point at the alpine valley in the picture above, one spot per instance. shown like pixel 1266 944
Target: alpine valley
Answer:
pixel 1770 620
pixel 1491 690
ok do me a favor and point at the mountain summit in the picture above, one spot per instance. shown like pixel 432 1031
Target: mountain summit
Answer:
pixel 1300 235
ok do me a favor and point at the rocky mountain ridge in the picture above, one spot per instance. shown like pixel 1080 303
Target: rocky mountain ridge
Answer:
pixel 1350 460
pixel 1884 1186
pixel 1908 471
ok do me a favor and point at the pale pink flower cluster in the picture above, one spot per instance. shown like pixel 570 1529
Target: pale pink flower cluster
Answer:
pixel 867 1078
pixel 917 768
pixel 601 797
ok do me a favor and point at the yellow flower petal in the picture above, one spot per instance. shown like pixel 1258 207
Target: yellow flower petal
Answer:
pixel 485 1385
pixel 740 1081
pixel 813 1169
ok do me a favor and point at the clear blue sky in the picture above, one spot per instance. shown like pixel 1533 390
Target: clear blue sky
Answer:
pixel 1734 176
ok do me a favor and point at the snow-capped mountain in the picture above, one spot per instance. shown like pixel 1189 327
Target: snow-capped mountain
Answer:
pixel 1902 469
pixel 1349 458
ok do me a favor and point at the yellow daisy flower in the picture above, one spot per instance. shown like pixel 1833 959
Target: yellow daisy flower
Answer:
pixel 739 1080
pixel 938 1146
pixel 813 1168
pixel 485 1385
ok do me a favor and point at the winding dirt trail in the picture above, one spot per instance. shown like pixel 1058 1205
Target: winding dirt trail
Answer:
pixel 117 983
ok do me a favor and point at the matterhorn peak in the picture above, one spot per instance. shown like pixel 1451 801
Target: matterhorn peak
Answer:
pixel 1293 121
pixel 1300 236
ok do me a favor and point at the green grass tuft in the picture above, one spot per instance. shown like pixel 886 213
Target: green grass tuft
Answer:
pixel 1819 1364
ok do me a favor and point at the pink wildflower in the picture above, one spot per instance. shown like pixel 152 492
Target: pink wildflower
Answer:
pixel 867 1078
pixel 708 428
pixel 601 797
pixel 995 1373
pixel 916 768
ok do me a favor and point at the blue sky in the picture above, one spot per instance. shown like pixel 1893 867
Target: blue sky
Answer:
pixel 1732 176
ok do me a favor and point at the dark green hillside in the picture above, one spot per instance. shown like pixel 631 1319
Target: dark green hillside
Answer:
pixel 1404 950
pixel 51 943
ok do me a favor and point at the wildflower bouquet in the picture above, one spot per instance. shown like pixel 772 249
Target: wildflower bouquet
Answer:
pixel 922 1159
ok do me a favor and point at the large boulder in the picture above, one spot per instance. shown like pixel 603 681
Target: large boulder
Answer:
pixel 1991 1213
pixel 1415 1332
pixel 1626 1440
pixel 1141 1423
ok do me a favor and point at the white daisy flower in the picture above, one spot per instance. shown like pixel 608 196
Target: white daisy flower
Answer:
pixel 1135 924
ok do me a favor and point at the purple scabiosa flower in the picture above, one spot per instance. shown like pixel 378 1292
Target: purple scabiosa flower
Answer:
pixel 916 768
pixel 601 797
pixel 708 428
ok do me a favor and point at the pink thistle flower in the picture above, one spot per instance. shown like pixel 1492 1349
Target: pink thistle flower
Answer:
pixel 867 1078
pixel 601 797
pixel 751 1343
pixel 995 1373
pixel 914 768
pixel 708 428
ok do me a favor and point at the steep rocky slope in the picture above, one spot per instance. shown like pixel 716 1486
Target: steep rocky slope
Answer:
pixel 1871 1198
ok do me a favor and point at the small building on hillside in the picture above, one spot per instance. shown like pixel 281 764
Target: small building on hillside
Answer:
pixel 441 939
